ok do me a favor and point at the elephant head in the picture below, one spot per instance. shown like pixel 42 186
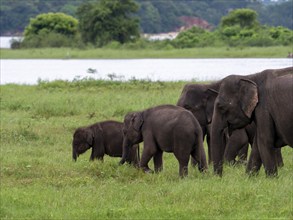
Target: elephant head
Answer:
pixel 82 140
pixel 233 109
pixel 132 133
pixel 199 99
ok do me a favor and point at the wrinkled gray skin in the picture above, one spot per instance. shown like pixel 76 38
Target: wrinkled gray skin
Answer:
pixel 104 138
pixel 165 128
pixel 264 98
pixel 200 99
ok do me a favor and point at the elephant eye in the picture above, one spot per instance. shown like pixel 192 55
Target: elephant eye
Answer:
pixel 222 108
pixel 197 107
pixel 187 107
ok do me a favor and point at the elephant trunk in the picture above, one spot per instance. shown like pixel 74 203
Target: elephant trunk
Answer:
pixel 125 150
pixel 218 143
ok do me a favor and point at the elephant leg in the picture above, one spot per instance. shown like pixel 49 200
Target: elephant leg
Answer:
pixel 242 154
pixel 96 155
pixel 134 156
pixel 236 142
pixel 158 161
pixel 183 159
pixel 265 145
pixel 147 153
pixel 279 158
pixel 254 162
pixel 183 168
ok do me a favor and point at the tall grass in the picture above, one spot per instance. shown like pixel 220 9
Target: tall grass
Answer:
pixel 108 53
pixel 39 180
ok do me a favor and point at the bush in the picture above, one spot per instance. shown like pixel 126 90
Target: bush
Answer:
pixel 52 39
pixel 51 30
pixel 194 37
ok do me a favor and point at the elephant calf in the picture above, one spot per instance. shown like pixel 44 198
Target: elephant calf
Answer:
pixel 104 138
pixel 166 128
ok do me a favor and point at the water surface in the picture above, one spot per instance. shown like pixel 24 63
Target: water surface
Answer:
pixel 28 71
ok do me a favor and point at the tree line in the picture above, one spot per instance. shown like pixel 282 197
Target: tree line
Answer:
pixel 156 16
pixel 115 24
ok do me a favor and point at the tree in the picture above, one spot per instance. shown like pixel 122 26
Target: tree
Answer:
pixel 50 30
pixel 245 18
pixel 238 26
pixel 150 20
pixel 106 21
pixel 51 22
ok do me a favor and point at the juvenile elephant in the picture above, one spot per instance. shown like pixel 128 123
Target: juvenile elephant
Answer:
pixel 166 128
pixel 200 99
pixel 264 98
pixel 104 137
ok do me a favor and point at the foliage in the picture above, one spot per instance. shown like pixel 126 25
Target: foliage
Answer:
pixel 155 16
pixel 106 21
pixel 244 18
pixel 52 22
pixel 39 180
pixel 52 29
pixel 195 37
pixel 241 28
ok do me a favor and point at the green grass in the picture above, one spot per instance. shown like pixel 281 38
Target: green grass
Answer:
pixel 39 180
pixel 104 53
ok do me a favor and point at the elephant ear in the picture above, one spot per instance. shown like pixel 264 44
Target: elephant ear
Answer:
pixel 137 121
pixel 90 137
pixel 248 96
pixel 211 97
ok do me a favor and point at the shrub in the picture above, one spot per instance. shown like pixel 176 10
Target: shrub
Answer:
pixel 51 30
pixel 194 37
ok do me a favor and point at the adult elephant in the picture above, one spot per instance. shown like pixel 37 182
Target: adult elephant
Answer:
pixel 200 99
pixel 264 98
pixel 166 128
pixel 104 137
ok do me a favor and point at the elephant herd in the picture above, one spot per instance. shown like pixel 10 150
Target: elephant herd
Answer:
pixel 232 113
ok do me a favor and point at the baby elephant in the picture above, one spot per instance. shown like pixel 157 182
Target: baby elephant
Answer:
pixel 166 128
pixel 104 138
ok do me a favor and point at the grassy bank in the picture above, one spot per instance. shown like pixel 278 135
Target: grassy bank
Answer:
pixel 221 52
pixel 40 181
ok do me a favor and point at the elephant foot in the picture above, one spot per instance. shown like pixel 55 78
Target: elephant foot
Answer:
pixel 147 170
pixel 272 173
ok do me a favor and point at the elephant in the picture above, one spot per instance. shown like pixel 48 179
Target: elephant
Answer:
pixel 164 128
pixel 200 99
pixel 104 137
pixel 264 98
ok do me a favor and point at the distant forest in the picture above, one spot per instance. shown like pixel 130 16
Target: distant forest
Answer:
pixel 156 16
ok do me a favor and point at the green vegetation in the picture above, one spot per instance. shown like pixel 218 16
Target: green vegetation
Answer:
pixel 111 24
pixel 124 53
pixel 155 16
pixel 106 21
pixel 50 30
pixel 39 180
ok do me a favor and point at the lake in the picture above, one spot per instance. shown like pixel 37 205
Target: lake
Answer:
pixel 28 71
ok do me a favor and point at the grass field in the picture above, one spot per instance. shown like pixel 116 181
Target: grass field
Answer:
pixel 104 53
pixel 39 180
